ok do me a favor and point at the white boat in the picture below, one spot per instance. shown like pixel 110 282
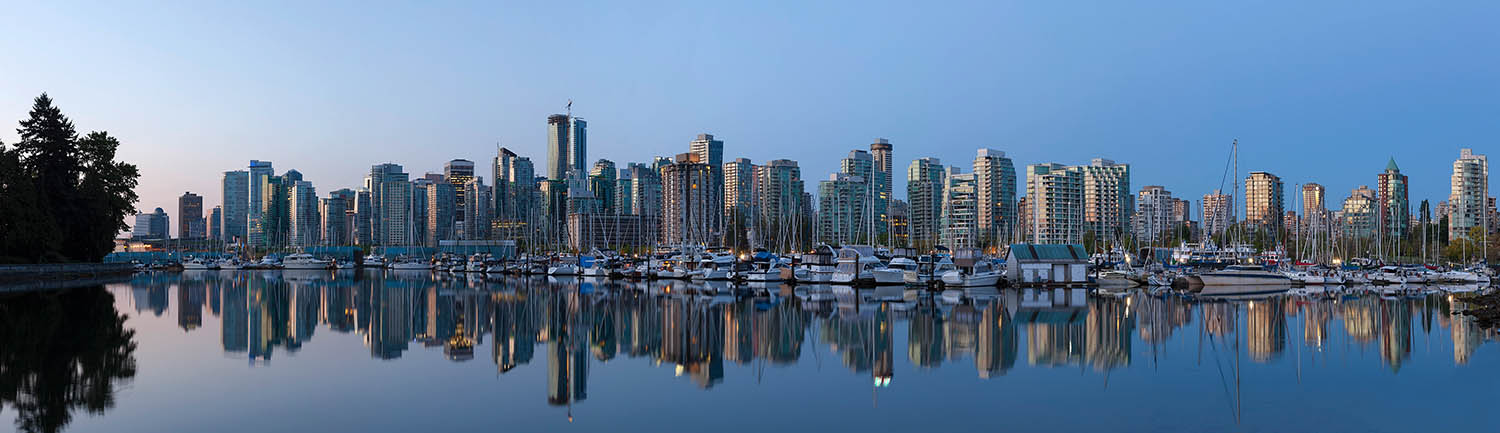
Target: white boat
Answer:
pixel 305 261
pixel 1243 275
pixel 199 264
pixel 854 266
pixel 344 264
pixel 405 264
pixel 982 274
pixel 566 266
pixel 1388 275
pixel 817 267
pixel 767 271
pixel 230 264
pixel 475 264
pixel 714 267
pixel 374 261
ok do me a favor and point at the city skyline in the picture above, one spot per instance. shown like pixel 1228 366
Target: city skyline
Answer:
pixel 1335 85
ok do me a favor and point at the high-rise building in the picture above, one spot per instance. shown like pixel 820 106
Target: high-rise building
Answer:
pixel 558 161
pixel 880 153
pixel 900 224
pixel 306 222
pixel 514 194
pixel 1394 205
pixel 476 216
pixel 390 199
pixel 603 183
pixel 1467 206
pixel 1182 213
pixel 1055 199
pixel 645 198
pixel 364 212
pixel 1360 213
pixel 1218 213
pixel 739 199
pixel 995 190
pixel 961 211
pixel 440 209
pixel 578 145
pixel 216 223
pixel 417 235
pixel 924 192
pixel 276 206
pixel 690 204
pixel 843 203
pixel 1314 207
pixel 335 211
pixel 860 164
pixel 260 176
pixel 458 172
pixel 190 217
pixel 152 226
pixel 1264 201
pixel 236 197
pixel 1153 215
pixel 1108 200
pixel 779 189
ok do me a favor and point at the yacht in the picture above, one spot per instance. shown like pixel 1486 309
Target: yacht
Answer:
pixel 566 266
pixel 230 264
pixel 766 268
pixel 305 261
pixel 475 264
pixel 715 267
pixel 374 261
pixel 408 264
pixel 817 266
pixel 1243 275
pixel 983 273
pixel 343 264
pixel 1388 275
pixel 858 266
pixel 199 264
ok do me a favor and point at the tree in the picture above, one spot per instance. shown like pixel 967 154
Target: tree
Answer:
pixel 62 198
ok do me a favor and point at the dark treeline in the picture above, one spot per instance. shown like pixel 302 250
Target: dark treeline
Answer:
pixel 63 197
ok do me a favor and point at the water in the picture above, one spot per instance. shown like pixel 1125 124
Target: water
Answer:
pixel 288 351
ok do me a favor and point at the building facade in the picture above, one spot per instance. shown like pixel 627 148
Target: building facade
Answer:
pixel 190 223
pixel 924 199
pixel 1264 201
pixel 236 190
pixel 1055 200
pixel 1468 194
pixel 995 191
pixel 1394 204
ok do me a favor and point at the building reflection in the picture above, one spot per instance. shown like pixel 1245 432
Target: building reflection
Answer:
pixel 703 336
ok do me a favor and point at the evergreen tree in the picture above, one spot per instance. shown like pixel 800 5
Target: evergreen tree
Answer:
pixel 62 198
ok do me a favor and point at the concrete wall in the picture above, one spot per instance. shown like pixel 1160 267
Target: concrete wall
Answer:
pixel 25 277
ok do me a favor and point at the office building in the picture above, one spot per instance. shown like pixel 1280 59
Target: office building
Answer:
pixel 441 206
pixel 190 217
pixel 236 195
pixel 260 176
pixel 216 223
pixel 390 198
pixel 151 226
pixel 306 220
pixel 558 146
pixel 459 172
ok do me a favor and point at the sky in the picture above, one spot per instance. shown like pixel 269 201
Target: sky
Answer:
pixel 1321 92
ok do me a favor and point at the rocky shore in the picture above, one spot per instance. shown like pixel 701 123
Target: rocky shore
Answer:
pixel 1484 308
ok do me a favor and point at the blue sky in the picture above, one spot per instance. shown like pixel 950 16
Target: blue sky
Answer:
pixel 1315 91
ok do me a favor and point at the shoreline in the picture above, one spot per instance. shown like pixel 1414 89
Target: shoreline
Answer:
pixel 24 278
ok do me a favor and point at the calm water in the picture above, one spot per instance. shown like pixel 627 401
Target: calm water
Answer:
pixel 283 351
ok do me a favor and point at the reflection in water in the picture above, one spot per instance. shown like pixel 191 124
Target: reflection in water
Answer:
pixel 63 351
pixel 578 325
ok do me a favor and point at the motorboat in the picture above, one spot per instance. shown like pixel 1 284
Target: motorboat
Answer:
pixel 818 266
pixel 566 266
pixel 767 268
pixel 374 261
pixel 343 264
pixel 982 273
pixel 476 264
pixel 304 261
pixel 857 265
pixel 595 266
pixel 230 264
pixel 199 264
pixel 715 267
pixel 1243 275
pixel 409 264
pixel 1389 275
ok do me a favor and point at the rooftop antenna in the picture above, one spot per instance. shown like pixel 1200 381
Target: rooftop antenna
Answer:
pixel 570 108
